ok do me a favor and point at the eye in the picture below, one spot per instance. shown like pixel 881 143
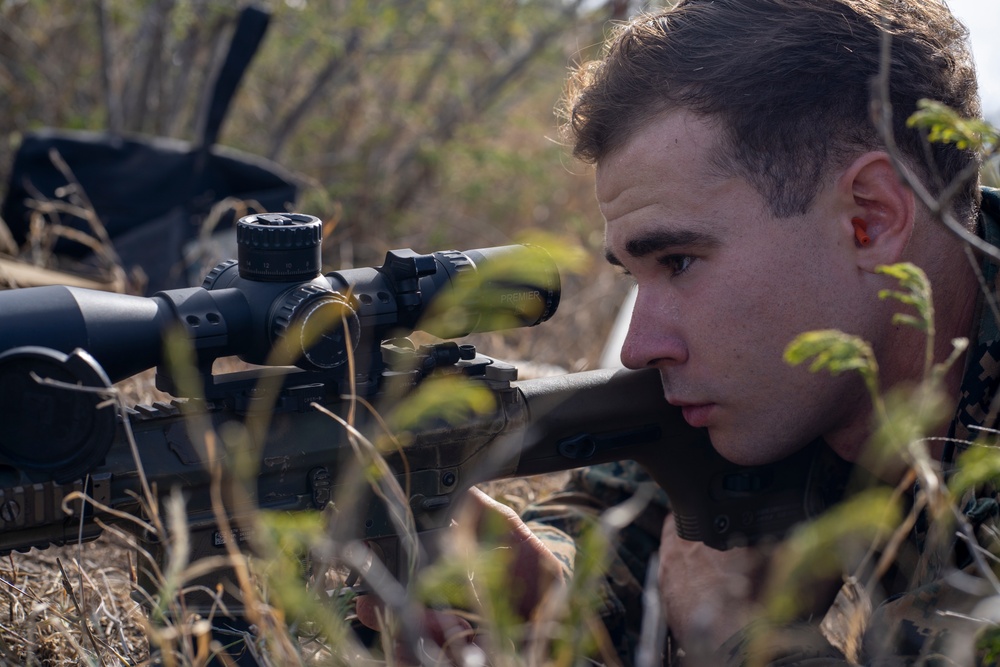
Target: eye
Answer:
pixel 676 264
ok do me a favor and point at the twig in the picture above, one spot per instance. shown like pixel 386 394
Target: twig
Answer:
pixel 7 243
pixel 100 231
pixel 395 597
pixel 290 121
pixel 654 624
pixel 965 532
pixel 146 67
pixel 938 206
pixel 114 108
pixel 68 587
pixel 115 616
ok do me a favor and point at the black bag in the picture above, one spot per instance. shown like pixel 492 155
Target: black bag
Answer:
pixel 152 194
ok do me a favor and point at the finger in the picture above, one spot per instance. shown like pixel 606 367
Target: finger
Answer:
pixel 446 629
pixel 531 564
pixel 370 611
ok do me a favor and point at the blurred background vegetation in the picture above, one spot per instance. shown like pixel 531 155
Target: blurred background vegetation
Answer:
pixel 426 124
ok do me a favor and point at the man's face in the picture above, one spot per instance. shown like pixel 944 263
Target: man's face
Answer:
pixel 723 287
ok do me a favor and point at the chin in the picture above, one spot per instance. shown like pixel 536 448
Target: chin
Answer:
pixel 751 451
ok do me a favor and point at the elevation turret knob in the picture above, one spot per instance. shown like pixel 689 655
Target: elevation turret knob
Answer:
pixel 279 247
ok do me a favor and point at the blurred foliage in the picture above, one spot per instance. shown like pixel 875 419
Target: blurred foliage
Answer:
pixel 364 98
pixel 422 124
pixel 943 124
pixel 859 539
pixel 903 415
pixel 450 399
pixel 816 551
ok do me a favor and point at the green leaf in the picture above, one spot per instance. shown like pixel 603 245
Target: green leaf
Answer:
pixel 822 548
pixel 909 320
pixel 831 350
pixel 451 399
pixel 944 125
pixel 976 465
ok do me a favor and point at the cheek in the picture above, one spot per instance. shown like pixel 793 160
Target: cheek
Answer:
pixel 755 319
pixel 786 288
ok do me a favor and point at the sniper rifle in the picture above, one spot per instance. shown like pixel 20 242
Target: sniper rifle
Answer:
pixel 316 345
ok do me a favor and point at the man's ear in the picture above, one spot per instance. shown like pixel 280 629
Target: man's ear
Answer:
pixel 879 215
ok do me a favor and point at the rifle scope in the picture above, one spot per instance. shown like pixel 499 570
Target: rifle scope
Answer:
pixel 270 307
pixel 274 297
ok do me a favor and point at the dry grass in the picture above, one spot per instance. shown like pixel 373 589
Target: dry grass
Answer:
pixel 78 604
pixel 62 604
pixel 65 605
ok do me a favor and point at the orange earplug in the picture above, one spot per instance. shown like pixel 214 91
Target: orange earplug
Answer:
pixel 861 232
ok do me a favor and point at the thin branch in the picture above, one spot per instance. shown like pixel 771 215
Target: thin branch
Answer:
pixel 335 66
pixel 145 72
pixel 938 206
pixel 68 587
pixel 114 109
pixel 197 56
pixel 484 95
pixel 966 534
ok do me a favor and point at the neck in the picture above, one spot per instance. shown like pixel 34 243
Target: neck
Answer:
pixel 901 357
pixel 956 293
pixel 956 321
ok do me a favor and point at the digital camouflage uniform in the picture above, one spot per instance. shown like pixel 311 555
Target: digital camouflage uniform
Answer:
pixel 933 603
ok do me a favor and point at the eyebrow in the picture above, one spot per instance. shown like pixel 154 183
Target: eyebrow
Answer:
pixel 660 240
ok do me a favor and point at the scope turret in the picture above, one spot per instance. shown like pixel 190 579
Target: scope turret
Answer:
pixel 279 247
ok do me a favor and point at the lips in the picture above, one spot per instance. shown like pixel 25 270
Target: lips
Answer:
pixel 695 414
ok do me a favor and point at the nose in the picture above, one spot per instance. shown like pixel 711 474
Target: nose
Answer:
pixel 654 338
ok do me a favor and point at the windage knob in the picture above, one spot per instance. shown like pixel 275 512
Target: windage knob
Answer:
pixel 279 247
pixel 316 327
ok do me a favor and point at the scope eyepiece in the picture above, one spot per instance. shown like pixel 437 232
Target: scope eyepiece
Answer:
pixel 491 289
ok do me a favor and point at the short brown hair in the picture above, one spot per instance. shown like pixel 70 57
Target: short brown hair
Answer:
pixel 790 82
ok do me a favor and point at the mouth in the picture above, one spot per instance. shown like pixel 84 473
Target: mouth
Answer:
pixel 695 414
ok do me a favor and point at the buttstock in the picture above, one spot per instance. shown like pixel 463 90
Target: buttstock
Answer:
pixel 602 416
